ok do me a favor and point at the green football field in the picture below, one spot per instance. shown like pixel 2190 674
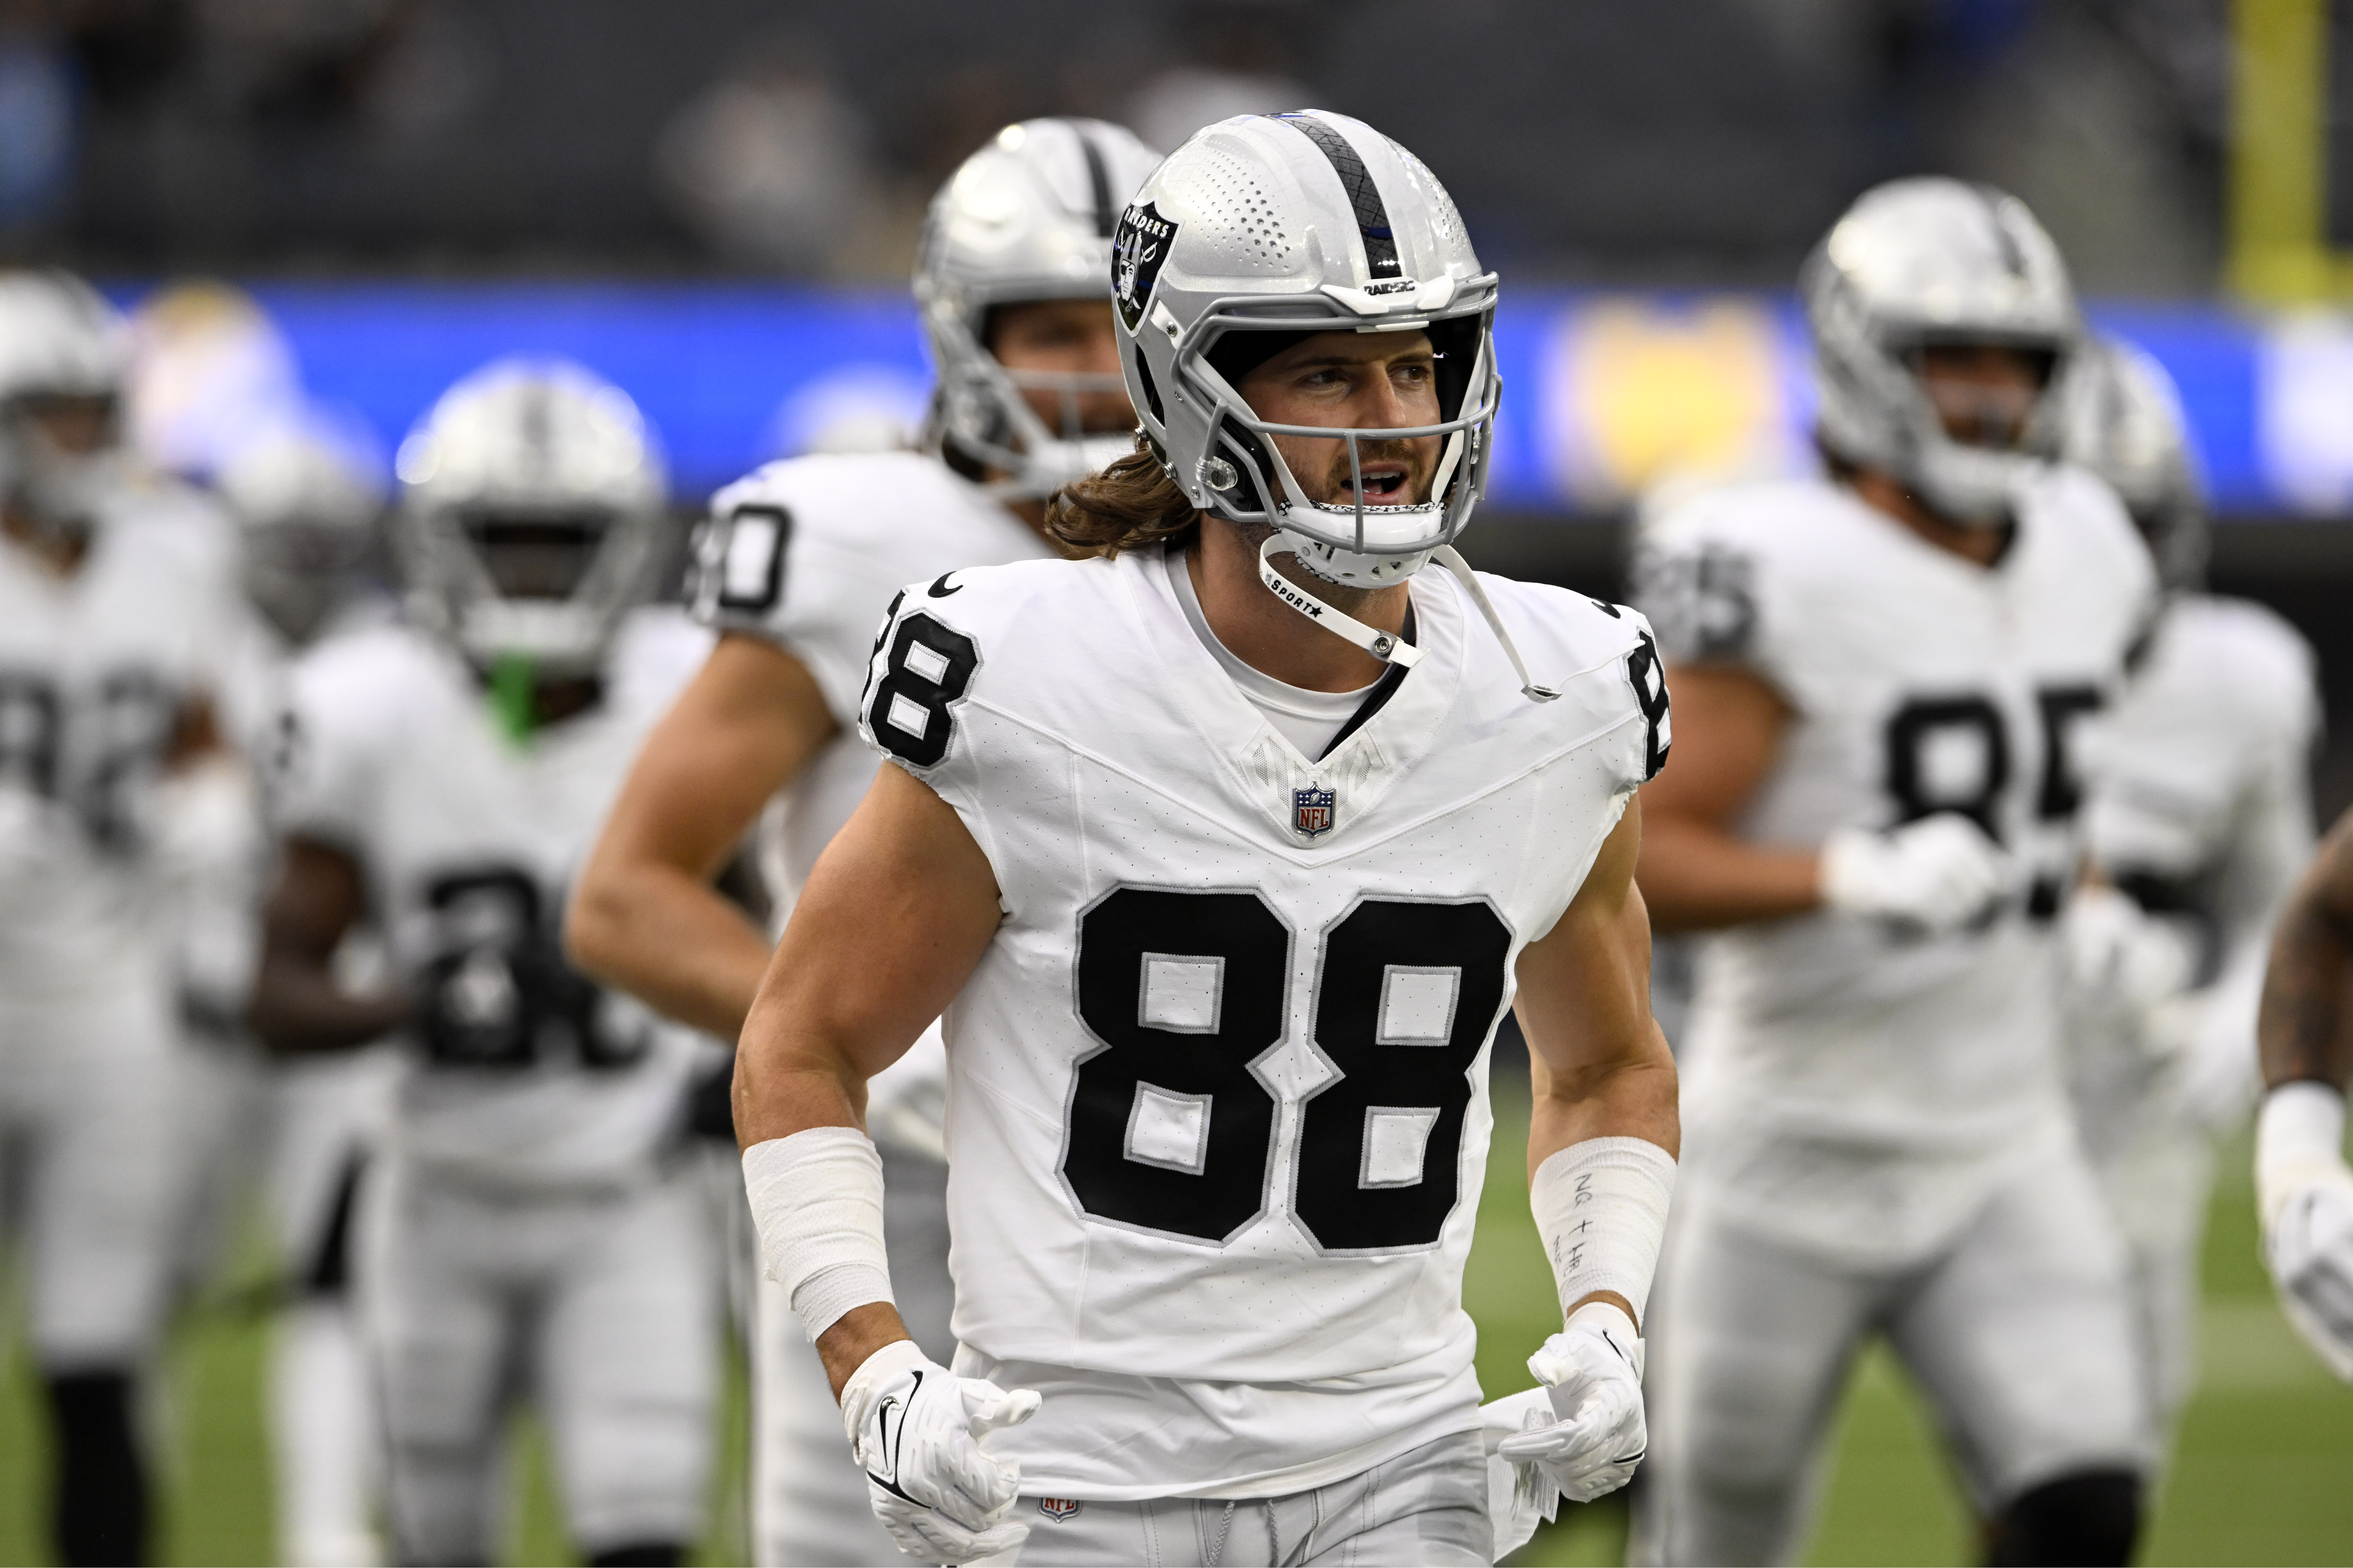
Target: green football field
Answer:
pixel 2265 1476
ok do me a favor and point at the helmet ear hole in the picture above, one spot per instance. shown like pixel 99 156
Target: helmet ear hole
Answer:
pixel 1151 387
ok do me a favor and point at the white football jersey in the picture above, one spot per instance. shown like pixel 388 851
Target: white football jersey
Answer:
pixel 96 668
pixel 524 1074
pixel 806 554
pixel 1218 1114
pixel 1918 682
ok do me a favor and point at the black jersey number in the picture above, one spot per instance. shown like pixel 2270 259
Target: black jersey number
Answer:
pixel 928 668
pixel 743 559
pixel 1171 1128
pixel 497 992
pixel 121 733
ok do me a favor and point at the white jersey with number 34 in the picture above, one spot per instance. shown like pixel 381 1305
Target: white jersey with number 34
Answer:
pixel 1218 1115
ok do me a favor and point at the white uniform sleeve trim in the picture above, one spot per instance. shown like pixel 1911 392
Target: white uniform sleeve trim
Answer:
pixel 1601 1208
pixel 817 1203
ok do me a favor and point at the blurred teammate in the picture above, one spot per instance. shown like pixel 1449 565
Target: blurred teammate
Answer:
pixel 1876 678
pixel 117 598
pixel 530 1228
pixel 795 569
pixel 1224 851
pixel 2199 819
pixel 309 509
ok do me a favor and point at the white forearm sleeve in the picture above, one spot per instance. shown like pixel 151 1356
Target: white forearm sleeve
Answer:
pixel 2299 1141
pixel 1602 1207
pixel 816 1202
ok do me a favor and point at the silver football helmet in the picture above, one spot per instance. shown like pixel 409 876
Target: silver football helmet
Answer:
pixel 1917 262
pixel 531 514
pixel 1289 224
pixel 309 507
pixel 2124 424
pixel 1028 217
pixel 60 343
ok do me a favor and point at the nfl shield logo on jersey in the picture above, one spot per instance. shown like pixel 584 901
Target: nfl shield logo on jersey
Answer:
pixel 1057 1508
pixel 1311 811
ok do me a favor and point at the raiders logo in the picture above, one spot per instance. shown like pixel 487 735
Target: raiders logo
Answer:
pixel 1137 250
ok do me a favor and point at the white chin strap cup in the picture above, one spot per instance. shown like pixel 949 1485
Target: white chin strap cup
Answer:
pixel 1382 646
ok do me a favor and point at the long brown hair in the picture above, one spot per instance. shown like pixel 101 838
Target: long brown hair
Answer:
pixel 1130 504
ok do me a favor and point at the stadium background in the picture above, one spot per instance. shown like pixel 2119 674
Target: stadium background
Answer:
pixel 714 201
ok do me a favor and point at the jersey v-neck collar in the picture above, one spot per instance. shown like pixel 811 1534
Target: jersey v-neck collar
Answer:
pixel 1397 727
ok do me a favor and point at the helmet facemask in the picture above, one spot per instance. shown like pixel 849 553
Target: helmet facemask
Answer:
pixel 983 412
pixel 1363 543
pixel 58 487
pixel 546 585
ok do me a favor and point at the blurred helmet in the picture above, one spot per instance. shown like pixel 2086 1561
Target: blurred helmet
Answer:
pixel 1915 264
pixel 308 505
pixel 2124 424
pixel 1028 217
pixel 61 345
pixel 1292 224
pixel 531 514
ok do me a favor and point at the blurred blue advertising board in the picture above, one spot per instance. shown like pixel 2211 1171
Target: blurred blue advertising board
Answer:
pixel 1608 395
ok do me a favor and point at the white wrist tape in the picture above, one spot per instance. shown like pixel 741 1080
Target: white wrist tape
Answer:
pixel 1602 1207
pixel 816 1202
pixel 2299 1139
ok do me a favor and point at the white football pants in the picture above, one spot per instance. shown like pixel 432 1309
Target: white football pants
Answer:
pixel 328 1114
pixel 2018 1333
pixel 1429 1505
pixel 87 1086
pixel 602 1308
pixel 809 1496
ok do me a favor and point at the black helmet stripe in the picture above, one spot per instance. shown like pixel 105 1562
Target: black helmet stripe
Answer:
pixel 1372 218
pixel 1106 215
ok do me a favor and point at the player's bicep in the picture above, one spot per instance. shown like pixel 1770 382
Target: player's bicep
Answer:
pixel 744 727
pixel 894 919
pixel 1728 727
pixel 1585 986
pixel 319 896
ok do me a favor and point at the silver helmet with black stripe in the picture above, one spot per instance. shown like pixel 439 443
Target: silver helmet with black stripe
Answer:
pixel 2125 423
pixel 1028 217
pixel 1308 221
pixel 1924 262
pixel 530 515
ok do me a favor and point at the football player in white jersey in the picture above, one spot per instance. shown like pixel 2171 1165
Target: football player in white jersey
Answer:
pixel 1877 678
pixel 529 1227
pixel 795 569
pixel 2199 818
pixel 1224 851
pixel 117 597
pixel 310 512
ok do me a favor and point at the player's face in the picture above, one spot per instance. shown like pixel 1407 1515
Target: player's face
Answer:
pixel 72 424
pixel 1367 380
pixel 1983 393
pixel 536 558
pixel 1064 356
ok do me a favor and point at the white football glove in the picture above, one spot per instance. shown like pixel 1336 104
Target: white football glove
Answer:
pixel 2121 958
pixel 1937 874
pixel 915 1428
pixel 1592 1374
pixel 2304 1194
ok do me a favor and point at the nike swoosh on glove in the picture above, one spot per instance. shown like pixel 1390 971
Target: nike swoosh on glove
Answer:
pixel 915 1428
pixel 1592 1372
pixel 2309 1244
pixel 1937 874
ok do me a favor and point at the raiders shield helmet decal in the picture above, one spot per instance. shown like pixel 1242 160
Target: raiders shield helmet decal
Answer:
pixel 1138 251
